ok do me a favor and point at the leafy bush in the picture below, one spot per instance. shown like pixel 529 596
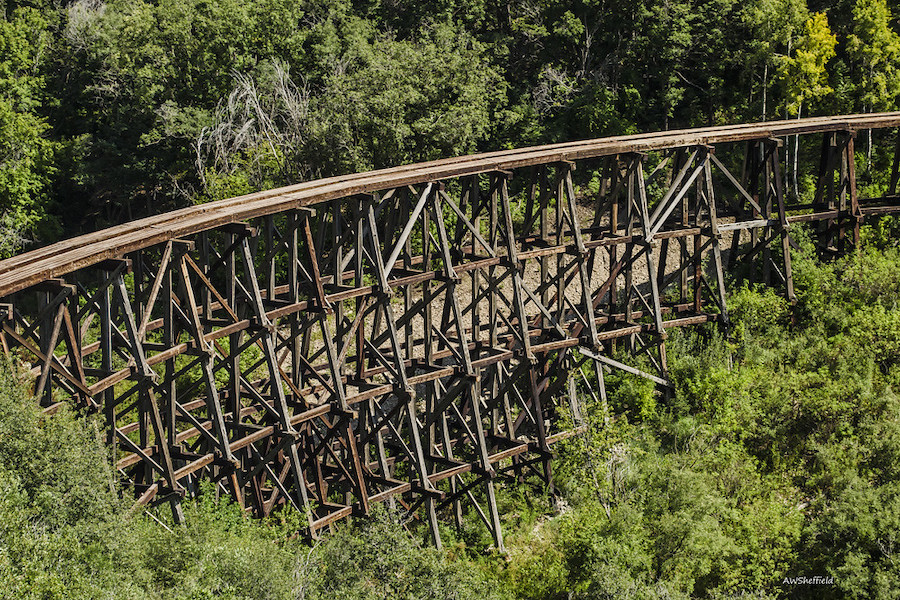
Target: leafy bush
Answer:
pixel 66 533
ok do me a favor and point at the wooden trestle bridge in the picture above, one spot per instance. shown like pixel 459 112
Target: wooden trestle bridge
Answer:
pixel 412 333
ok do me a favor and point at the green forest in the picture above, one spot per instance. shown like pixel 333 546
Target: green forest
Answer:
pixel 777 456
pixel 112 110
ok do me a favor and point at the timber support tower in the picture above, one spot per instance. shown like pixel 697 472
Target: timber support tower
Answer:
pixel 413 334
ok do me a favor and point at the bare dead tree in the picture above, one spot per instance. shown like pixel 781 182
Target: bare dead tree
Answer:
pixel 260 126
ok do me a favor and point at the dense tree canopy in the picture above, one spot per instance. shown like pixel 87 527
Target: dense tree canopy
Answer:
pixel 111 109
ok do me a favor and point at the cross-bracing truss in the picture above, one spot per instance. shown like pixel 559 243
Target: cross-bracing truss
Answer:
pixel 411 339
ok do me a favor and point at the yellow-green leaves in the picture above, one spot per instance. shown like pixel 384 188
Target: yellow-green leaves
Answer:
pixel 804 75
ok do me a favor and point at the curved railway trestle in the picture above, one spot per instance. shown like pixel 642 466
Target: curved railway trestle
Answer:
pixel 408 334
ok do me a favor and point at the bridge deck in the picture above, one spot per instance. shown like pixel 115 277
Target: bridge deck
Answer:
pixel 64 257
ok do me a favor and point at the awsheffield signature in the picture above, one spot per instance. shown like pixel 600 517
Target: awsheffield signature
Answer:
pixel 803 580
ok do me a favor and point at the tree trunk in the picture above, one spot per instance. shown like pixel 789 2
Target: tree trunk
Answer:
pixel 797 154
pixel 869 142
